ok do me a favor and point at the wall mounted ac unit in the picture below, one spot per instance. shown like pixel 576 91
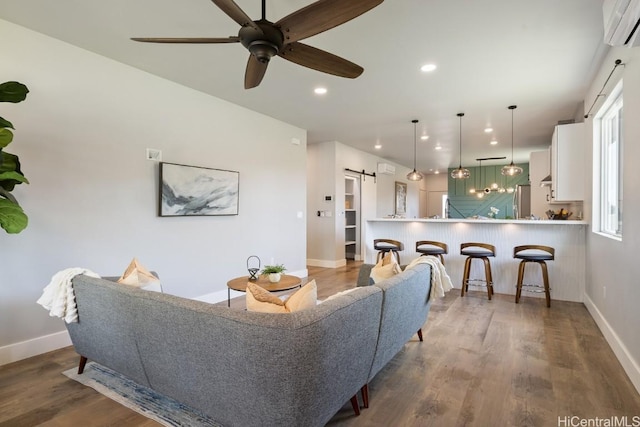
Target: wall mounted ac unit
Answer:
pixel 386 168
pixel 621 22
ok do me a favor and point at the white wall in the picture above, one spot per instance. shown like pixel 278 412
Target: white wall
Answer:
pixel 326 164
pixel 81 137
pixel 610 263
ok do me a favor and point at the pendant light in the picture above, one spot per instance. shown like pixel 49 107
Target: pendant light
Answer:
pixel 460 172
pixel 415 175
pixel 511 169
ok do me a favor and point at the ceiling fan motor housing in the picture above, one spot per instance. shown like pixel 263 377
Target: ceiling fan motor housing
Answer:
pixel 263 45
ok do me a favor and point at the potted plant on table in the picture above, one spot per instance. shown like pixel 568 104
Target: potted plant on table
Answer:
pixel 274 272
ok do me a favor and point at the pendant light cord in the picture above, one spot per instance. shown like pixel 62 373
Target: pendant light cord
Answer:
pixel 512 107
pixel 460 133
pixel 415 150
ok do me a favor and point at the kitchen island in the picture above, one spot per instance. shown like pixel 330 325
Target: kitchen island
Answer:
pixel 566 272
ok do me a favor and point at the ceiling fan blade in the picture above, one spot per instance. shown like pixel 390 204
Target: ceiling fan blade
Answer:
pixel 254 73
pixel 234 12
pixel 319 60
pixel 233 39
pixel 321 16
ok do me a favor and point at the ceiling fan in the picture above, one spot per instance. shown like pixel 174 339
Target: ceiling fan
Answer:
pixel 264 39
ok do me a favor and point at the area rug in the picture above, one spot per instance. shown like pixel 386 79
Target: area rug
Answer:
pixel 143 400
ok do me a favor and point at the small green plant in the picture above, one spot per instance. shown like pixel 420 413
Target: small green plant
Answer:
pixel 12 217
pixel 271 269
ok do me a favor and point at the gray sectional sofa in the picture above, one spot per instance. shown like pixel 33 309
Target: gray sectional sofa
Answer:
pixel 245 368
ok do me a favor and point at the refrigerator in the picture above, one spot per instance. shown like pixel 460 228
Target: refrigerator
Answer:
pixel 522 201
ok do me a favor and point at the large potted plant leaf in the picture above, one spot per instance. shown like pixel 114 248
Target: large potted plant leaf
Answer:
pixel 12 217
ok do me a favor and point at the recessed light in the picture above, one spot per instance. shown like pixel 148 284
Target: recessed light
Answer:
pixel 320 90
pixel 377 146
pixel 428 67
pixel 424 137
pixel 493 142
pixel 488 130
pixel 437 172
pixel 438 147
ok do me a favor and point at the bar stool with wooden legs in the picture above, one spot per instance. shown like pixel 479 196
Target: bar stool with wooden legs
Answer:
pixel 538 254
pixel 482 251
pixel 430 247
pixel 387 245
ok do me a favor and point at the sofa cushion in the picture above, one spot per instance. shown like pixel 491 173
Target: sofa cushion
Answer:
pixel 261 300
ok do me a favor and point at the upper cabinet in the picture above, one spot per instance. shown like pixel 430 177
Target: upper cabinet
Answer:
pixel 567 163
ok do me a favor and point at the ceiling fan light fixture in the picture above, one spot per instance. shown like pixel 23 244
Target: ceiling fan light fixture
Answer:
pixel 414 175
pixel 460 172
pixel 511 169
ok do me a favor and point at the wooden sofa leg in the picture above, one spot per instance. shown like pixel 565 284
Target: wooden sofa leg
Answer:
pixel 420 334
pixel 355 404
pixel 365 395
pixel 83 361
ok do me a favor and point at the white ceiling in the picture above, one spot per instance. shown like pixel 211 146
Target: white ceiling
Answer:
pixel 538 54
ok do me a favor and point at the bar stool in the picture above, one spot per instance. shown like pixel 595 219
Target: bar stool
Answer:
pixel 385 245
pixel 482 251
pixel 540 254
pixel 429 247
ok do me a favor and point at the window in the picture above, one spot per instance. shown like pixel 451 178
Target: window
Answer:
pixel 608 147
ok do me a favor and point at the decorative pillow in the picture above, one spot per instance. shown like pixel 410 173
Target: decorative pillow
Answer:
pixel 261 300
pixel 303 298
pixel 385 268
pixel 337 294
pixel 138 276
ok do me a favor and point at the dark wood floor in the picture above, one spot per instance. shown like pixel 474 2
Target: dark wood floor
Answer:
pixel 482 363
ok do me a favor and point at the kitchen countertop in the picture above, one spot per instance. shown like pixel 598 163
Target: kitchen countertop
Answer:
pixel 567 271
pixel 484 221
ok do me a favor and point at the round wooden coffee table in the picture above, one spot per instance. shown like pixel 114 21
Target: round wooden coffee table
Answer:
pixel 240 284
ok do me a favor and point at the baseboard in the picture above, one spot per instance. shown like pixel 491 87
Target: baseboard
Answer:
pixel 33 347
pixel 327 263
pixel 629 364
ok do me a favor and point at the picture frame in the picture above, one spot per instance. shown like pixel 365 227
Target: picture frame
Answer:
pixel 197 191
pixel 401 198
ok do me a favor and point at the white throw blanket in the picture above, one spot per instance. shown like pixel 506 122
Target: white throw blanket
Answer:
pixel 58 296
pixel 440 280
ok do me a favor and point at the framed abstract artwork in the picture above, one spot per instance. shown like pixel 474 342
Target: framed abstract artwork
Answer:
pixel 401 198
pixel 197 191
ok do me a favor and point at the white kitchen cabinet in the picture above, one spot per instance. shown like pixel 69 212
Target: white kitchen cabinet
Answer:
pixel 567 163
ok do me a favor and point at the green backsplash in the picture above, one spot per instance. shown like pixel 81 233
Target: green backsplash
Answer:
pixel 469 204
